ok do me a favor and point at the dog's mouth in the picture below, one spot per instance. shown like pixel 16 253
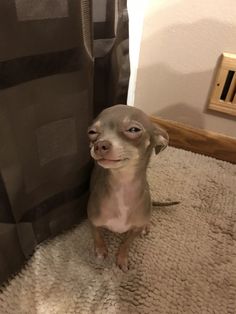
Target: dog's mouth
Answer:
pixel 110 163
pixel 109 160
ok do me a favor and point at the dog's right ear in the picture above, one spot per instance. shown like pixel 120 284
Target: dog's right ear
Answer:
pixel 160 139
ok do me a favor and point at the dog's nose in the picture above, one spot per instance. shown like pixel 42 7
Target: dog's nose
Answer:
pixel 102 147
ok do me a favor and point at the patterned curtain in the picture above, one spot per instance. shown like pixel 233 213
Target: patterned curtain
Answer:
pixel 61 62
pixel 111 50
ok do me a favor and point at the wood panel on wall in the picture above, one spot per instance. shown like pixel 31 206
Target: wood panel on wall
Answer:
pixel 199 141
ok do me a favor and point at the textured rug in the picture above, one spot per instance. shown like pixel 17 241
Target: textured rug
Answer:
pixel 187 264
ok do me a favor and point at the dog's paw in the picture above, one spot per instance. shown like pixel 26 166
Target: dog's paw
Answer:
pixel 101 252
pixel 122 262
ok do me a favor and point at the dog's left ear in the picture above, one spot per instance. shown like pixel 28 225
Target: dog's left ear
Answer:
pixel 160 139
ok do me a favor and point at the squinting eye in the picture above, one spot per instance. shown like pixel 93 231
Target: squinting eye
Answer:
pixel 92 132
pixel 134 130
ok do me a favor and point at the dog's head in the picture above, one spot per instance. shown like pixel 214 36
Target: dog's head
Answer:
pixel 122 136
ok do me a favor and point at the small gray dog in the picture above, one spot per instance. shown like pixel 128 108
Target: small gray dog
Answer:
pixel 122 139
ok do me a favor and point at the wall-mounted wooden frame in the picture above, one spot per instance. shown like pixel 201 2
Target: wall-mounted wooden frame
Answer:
pixel 223 97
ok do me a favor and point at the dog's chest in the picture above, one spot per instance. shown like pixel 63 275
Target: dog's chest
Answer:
pixel 117 208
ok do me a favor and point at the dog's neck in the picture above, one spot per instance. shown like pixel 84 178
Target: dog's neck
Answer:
pixel 127 175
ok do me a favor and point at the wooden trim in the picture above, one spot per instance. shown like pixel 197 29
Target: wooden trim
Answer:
pixel 199 141
pixel 223 107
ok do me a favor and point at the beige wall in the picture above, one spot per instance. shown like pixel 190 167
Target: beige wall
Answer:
pixel 181 43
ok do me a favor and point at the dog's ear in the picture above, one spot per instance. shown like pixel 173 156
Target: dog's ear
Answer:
pixel 160 139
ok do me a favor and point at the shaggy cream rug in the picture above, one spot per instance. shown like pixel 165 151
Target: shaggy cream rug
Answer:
pixel 187 264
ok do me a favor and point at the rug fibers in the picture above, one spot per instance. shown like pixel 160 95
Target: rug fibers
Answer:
pixel 187 264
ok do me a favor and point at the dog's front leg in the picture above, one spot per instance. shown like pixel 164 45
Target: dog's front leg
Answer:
pixel 100 247
pixel 123 252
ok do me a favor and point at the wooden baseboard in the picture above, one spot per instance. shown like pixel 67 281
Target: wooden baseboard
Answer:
pixel 199 141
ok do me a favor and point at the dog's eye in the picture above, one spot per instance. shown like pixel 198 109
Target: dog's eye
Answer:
pixel 134 129
pixel 92 132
